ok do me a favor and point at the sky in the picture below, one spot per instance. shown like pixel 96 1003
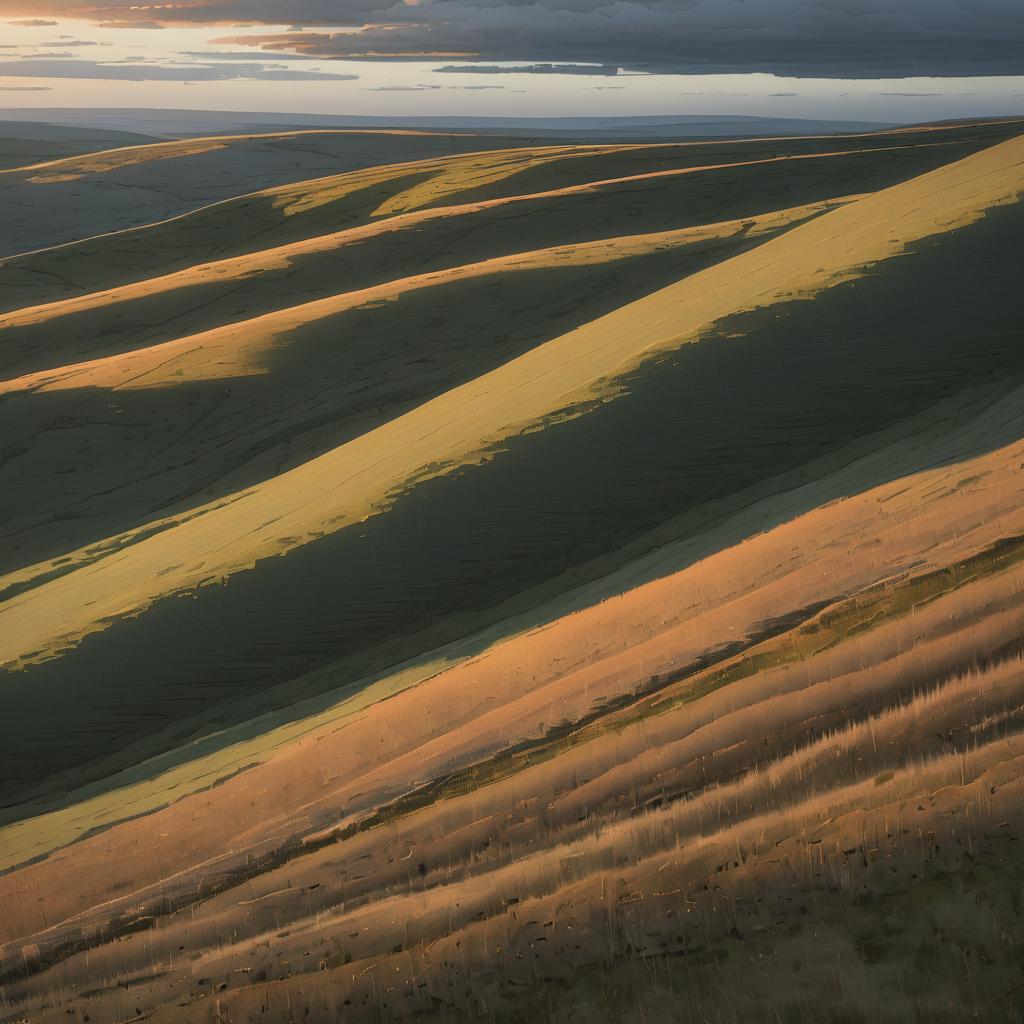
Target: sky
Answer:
pixel 874 60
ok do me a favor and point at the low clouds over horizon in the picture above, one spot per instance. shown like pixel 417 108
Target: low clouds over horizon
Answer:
pixel 43 66
pixel 528 69
pixel 802 38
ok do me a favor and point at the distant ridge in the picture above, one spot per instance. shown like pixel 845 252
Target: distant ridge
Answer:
pixel 176 123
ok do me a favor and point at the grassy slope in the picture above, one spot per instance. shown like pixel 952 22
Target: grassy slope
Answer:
pixel 347 484
pixel 553 840
pixel 310 208
pixel 23 143
pixel 244 638
pixel 209 295
pixel 384 349
pixel 725 762
pixel 124 188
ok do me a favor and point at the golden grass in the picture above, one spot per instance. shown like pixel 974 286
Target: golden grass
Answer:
pixel 758 703
pixel 367 751
pixel 240 268
pixel 352 482
pixel 819 754
pixel 361 189
pixel 74 168
pixel 463 173
pixel 696 760
pixel 605 901
pixel 447 176
pixel 238 349
pixel 822 803
pixel 444 176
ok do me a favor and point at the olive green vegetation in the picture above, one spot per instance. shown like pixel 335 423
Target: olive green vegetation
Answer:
pixel 196 440
pixel 773 396
pixel 265 219
pixel 23 143
pixel 216 297
pixel 123 198
pixel 878 159
pixel 753 835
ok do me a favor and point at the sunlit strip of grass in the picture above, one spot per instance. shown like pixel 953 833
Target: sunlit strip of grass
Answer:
pixel 796 637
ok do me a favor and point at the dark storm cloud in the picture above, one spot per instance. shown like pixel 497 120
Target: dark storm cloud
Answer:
pixel 817 38
pixel 827 38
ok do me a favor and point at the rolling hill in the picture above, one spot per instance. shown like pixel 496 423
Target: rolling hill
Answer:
pixel 515 580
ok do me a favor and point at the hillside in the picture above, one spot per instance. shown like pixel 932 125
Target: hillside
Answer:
pixel 25 143
pixel 493 580
pixel 103 190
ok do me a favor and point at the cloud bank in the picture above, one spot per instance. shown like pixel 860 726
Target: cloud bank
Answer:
pixel 809 38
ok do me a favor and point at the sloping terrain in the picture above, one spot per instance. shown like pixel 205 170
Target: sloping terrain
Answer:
pixel 758 177
pixel 24 143
pixel 108 190
pixel 537 583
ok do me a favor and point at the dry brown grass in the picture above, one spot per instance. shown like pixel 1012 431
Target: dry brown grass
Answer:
pixel 562 671
pixel 845 803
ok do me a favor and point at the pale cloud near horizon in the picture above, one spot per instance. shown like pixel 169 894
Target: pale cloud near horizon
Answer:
pixel 56 65
pixel 528 69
